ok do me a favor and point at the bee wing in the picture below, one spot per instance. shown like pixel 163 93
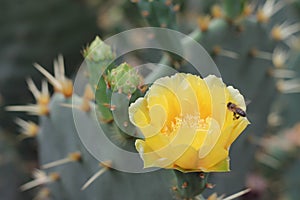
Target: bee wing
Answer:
pixel 247 102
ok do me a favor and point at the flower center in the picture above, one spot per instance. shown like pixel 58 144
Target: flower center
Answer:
pixel 189 121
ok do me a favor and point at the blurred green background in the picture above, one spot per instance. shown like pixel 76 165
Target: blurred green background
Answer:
pixel 34 31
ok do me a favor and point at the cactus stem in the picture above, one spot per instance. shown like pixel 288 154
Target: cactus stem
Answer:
pixel 217 50
pixel 72 157
pixel 281 73
pixel 236 195
pixel 42 97
pixel 40 178
pixel 284 31
pixel 28 128
pixel 120 139
pixel 32 109
pixel 105 167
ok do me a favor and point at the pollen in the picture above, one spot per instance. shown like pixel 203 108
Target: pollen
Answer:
pixel 190 121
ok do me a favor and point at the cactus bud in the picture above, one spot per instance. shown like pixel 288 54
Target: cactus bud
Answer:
pixel 98 51
pixel 124 79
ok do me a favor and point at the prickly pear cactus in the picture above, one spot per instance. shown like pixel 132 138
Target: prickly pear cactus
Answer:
pixel 56 144
pixel 69 170
pixel 253 53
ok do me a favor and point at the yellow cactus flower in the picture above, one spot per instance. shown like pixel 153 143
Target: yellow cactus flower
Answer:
pixel 186 123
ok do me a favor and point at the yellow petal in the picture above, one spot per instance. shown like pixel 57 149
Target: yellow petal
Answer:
pixel 138 113
pixel 186 123
pixel 188 160
pixel 184 93
pixel 150 158
pixel 222 166
pixel 234 127
pixel 203 95
pixel 236 98
pixel 217 90
pixel 212 137
pixel 158 118
pixel 214 157
pixel 236 131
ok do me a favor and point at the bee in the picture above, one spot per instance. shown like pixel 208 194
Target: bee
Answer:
pixel 237 112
